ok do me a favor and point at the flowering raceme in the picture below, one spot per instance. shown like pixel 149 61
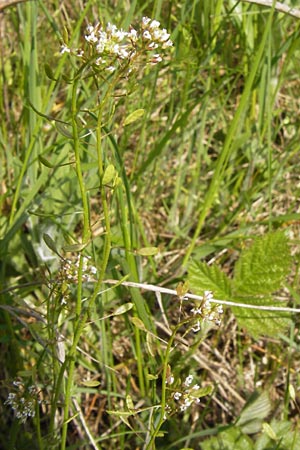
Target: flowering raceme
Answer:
pixel 110 48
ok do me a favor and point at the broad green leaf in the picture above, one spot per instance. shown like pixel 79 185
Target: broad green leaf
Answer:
pixel 266 428
pixel 202 277
pixel 230 439
pixel 260 322
pixel 134 116
pixel 288 437
pixel 253 414
pixel 262 268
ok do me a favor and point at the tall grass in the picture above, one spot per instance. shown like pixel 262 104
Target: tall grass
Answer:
pixel 110 184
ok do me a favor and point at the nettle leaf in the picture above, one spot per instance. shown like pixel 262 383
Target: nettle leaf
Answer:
pixel 260 322
pixel 263 267
pixel 202 277
pixel 254 412
pixel 287 438
pixel 232 438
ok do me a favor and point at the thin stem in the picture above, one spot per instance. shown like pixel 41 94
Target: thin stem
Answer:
pixel 85 236
pixel 163 387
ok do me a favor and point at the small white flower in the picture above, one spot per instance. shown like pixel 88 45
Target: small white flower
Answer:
pixel 170 380
pixel 154 24
pixel 145 21
pixel 100 61
pixel 167 44
pixel 133 34
pixel 147 35
pixel 188 381
pixel 157 58
pixel 177 395
pixel 64 49
pixel 197 327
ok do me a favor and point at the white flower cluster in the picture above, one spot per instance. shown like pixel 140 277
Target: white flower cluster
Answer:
pixel 207 312
pixel 110 46
pixel 23 401
pixel 68 274
pixel 69 270
pixel 186 395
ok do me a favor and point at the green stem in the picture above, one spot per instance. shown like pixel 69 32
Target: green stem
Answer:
pixel 163 387
pixel 85 236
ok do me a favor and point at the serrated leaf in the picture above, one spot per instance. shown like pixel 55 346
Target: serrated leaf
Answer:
pixel 289 439
pixel 109 174
pixel 262 268
pixel 261 322
pixel 123 309
pixel 147 251
pixel 202 277
pixel 230 439
pixel 255 411
pixel 266 428
pixel 134 116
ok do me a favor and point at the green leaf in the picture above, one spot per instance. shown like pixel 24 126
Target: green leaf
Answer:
pixel 288 438
pixel 261 322
pixel 255 411
pixel 109 174
pixel 49 72
pixel 147 251
pixel 231 439
pixel 123 309
pixel 74 247
pixel 134 116
pixel 138 323
pixel 129 403
pixel 202 277
pixel 91 383
pixel 266 428
pixel 62 129
pixel 50 243
pixel 45 162
pixel 202 392
pixel 263 267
